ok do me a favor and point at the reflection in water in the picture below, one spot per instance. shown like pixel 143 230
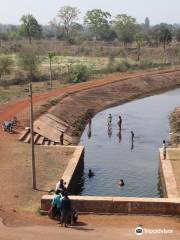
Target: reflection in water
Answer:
pixel 89 133
pixel 132 136
pixel 132 146
pixel 137 161
pixel 119 135
pixel 109 131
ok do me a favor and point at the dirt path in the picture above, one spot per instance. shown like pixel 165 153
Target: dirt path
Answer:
pixel 102 227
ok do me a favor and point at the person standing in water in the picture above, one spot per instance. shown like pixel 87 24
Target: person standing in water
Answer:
pixel 109 120
pixel 89 121
pixel 132 136
pixel 120 122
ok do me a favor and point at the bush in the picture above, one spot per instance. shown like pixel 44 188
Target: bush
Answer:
pixel 77 73
pixel 6 64
pixel 125 65
pixel 114 66
pixel 29 61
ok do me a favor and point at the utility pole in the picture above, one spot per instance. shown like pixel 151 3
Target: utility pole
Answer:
pixel 32 139
pixel 50 56
pixel 50 63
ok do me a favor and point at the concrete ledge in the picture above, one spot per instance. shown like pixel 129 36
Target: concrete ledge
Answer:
pixel 167 177
pixel 120 205
pixel 74 169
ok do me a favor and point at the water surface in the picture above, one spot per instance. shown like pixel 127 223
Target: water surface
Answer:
pixel 112 156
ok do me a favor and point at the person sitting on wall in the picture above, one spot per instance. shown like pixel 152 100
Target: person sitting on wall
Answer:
pixel 60 185
pixel 90 173
pixel 121 183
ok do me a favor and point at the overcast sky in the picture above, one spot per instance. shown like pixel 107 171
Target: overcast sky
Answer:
pixel 45 10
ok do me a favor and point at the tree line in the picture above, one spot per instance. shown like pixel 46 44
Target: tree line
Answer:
pixel 98 25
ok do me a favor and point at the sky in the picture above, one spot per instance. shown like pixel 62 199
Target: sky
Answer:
pixel 45 10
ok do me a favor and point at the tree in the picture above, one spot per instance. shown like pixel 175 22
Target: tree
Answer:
pixel 3 37
pixel 6 64
pixel 67 15
pixel 139 38
pixel 77 31
pixel 165 34
pixel 29 61
pixel 55 26
pixel 177 34
pixel 154 36
pixel 125 27
pixel 50 56
pixel 98 22
pixel 30 27
pixel 147 23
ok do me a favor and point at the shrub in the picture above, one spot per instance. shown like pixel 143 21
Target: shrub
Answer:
pixel 114 66
pixel 29 62
pixel 77 73
pixel 6 64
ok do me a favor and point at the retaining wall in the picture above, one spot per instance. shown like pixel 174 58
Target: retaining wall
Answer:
pixel 74 169
pixel 168 181
pixel 120 205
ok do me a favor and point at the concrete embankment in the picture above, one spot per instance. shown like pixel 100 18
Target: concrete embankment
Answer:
pixel 73 108
pixel 66 112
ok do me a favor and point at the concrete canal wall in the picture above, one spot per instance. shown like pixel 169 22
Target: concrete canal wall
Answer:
pixel 74 169
pixel 168 181
pixel 119 205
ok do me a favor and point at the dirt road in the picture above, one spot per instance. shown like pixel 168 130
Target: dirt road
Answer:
pixel 99 227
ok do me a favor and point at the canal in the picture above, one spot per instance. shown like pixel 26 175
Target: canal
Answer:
pixel 111 155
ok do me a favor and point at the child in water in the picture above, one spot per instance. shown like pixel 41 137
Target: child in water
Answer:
pixel 90 174
pixel 121 183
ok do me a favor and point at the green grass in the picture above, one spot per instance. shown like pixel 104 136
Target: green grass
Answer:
pixel 97 63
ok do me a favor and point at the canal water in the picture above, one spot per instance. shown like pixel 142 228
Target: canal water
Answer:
pixel 112 156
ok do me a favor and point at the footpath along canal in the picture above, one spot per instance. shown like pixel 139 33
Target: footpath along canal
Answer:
pixel 111 155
